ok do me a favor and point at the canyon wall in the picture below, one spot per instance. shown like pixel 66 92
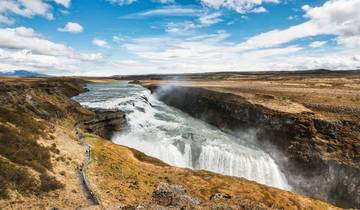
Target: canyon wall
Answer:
pixel 319 157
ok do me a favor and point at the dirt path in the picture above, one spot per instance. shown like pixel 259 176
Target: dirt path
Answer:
pixel 81 171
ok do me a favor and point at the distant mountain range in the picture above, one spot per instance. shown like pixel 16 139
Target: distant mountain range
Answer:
pixel 22 73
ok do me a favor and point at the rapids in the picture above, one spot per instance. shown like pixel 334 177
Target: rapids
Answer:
pixel 178 139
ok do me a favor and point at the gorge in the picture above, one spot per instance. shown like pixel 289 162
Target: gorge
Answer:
pixel 180 140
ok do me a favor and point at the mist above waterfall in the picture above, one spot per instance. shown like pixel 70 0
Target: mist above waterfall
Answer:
pixel 178 139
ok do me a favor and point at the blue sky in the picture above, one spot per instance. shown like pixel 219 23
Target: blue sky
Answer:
pixel 107 37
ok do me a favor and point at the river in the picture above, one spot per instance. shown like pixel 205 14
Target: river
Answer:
pixel 178 139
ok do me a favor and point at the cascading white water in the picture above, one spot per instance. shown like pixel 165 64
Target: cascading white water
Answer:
pixel 180 140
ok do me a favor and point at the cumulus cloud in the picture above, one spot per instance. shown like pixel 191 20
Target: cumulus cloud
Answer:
pixel 26 38
pixel 26 59
pixel 27 9
pixel 100 43
pixel 340 18
pixel 72 27
pixel 240 6
pixel 24 47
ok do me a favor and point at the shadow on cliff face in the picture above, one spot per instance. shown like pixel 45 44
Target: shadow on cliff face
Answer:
pixel 290 139
pixel 328 181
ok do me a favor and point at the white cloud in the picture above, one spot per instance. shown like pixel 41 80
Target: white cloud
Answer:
pixel 188 27
pixel 182 28
pixel 277 37
pixel 27 9
pixel 24 48
pixel 72 27
pixel 118 39
pixel 219 36
pixel 127 2
pixel 22 38
pixel 6 20
pixel 340 18
pixel 240 6
pixel 168 11
pixel 349 41
pixel 121 2
pixel 201 53
pixel 65 3
pixel 317 44
pixel 28 60
pixel 100 43
pixel 259 10
pixel 164 1
pixel 292 17
pixel 210 19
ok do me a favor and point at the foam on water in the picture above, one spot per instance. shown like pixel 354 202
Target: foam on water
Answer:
pixel 180 140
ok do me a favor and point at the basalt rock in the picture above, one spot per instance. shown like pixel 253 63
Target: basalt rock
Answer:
pixel 322 158
pixel 105 122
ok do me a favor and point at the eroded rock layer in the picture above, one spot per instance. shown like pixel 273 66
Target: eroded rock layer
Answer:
pixel 106 122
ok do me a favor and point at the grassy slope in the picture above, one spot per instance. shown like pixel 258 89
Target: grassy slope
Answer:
pixel 36 132
pixel 125 176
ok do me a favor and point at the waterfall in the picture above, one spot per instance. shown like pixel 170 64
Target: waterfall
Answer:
pixel 180 140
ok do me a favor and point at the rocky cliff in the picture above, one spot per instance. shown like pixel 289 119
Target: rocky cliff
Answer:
pixel 320 158
pixel 106 122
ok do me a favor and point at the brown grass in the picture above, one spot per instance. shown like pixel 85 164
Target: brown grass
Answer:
pixel 118 175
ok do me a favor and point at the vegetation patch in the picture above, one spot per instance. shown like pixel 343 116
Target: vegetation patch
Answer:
pixel 16 178
pixel 24 119
pixel 22 148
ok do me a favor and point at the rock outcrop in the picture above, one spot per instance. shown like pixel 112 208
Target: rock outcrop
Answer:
pixel 322 158
pixel 173 195
pixel 106 122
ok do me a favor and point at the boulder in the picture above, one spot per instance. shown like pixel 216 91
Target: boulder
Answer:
pixel 173 195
